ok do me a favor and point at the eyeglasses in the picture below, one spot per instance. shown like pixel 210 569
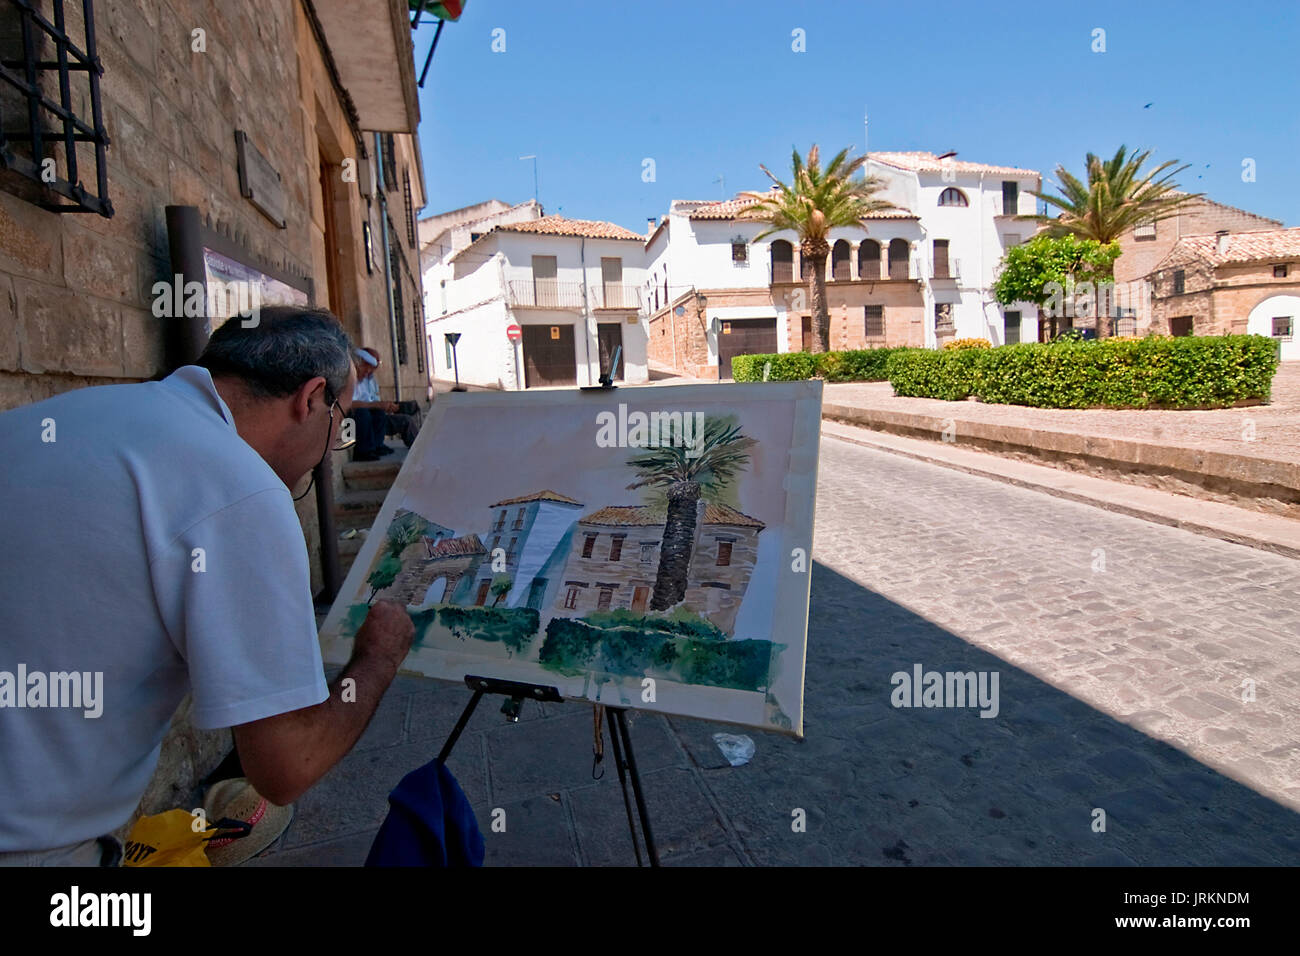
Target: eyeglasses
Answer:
pixel 343 444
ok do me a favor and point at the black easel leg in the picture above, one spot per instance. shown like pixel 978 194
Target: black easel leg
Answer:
pixel 619 729
pixel 460 726
pixel 622 779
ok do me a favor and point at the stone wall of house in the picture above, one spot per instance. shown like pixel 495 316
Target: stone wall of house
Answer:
pixel 721 604
pixel 1201 217
pixel 76 299
pixel 1218 299
pixel 904 314
pixel 680 341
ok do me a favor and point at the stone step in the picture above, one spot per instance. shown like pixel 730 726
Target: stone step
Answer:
pixel 358 509
pixel 368 475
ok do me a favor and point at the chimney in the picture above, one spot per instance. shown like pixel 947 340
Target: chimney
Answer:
pixel 650 225
pixel 1221 241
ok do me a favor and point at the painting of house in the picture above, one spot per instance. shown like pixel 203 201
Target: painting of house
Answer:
pixel 565 556
pixel 614 557
pixel 530 528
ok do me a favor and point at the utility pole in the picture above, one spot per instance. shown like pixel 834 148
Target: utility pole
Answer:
pixel 533 157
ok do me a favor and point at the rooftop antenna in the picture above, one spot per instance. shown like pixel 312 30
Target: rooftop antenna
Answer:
pixel 723 180
pixel 533 157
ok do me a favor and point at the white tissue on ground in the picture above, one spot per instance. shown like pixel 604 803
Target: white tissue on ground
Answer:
pixel 738 749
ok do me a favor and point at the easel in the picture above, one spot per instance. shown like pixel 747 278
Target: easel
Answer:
pixel 516 692
pixel 624 759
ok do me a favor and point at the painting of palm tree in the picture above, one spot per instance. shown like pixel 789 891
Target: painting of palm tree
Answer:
pixel 687 475
pixel 1117 197
pixel 816 201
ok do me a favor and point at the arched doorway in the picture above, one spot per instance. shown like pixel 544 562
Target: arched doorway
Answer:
pixel 1277 317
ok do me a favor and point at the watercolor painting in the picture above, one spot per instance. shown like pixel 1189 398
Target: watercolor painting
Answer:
pixel 644 548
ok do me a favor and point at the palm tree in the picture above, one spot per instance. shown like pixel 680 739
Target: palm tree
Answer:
pixel 686 477
pixel 1118 196
pixel 816 201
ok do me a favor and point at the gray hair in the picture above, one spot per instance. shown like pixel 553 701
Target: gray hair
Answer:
pixel 288 346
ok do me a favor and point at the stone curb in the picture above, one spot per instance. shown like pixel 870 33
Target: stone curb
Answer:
pixel 1244 475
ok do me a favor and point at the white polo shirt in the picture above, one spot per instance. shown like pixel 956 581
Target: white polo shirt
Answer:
pixel 149 543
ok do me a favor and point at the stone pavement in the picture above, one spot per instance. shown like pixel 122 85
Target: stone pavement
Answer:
pixel 1119 689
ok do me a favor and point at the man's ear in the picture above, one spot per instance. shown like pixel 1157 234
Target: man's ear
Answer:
pixel 309 394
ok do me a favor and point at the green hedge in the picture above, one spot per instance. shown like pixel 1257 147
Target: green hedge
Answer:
pixel 1184 372
pixel 857 365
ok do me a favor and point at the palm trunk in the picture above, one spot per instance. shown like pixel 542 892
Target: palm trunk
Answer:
pixel 821 341
pixel 679 541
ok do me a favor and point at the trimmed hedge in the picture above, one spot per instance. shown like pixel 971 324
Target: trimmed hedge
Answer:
pixel 856 365
pixel 1184 372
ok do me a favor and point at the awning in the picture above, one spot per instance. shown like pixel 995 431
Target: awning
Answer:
pixel 370 42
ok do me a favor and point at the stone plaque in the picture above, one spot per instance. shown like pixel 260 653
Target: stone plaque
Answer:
pixel 258 180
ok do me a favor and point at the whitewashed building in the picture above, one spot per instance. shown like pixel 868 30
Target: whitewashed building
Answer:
pixel 573 287
pixel 967 214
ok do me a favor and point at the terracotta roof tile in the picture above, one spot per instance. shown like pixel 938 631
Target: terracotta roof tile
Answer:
pixel 641 515
pixel 922 162
pixel 545 495
pixel 1237 247
pixel 730 208
pixel 560 226
pixel 450 547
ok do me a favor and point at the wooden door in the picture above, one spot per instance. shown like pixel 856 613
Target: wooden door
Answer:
pixel 481 598
pixel 639 598
pixel 744 337
pixel 545 288
pixel 549 356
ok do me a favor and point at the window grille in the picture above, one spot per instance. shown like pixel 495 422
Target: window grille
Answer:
pixel 389 149
pixel 410 207
pixel 35 135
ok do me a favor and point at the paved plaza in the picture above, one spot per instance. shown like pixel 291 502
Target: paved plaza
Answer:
pixel 1122 650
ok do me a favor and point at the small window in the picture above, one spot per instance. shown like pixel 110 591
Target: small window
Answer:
pixel 1144 230
pixel 724 554
pixel 1279 272
pixel 1180 281
pixel 510 551
pixel 606 595
pixel 1010 197
pixel 501 521
pixel 496 540
pixel 616 548
pixel 875 321
pixel 740 253
pixel 952 196
pixel 588 545
pixel 571 598
pixel 474 236
pixel 1010 328
pixel 1283 327
pixel 647 552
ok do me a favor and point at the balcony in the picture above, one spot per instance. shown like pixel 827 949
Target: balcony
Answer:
pixel 946 270
pixel 611 295
pixel 544 294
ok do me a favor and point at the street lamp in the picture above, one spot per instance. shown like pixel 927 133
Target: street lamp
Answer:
pixel 452 338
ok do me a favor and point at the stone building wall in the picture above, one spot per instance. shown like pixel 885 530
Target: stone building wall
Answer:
pixel 1200 217
pixel 76 290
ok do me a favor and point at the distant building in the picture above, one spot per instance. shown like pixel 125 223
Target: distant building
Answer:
pixel 613 560
pixel 714 292
pixel 572 286
pixel 968 219
pixel 1145 246
pixel 1231 283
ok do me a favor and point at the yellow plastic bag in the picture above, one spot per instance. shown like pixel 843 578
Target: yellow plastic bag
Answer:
pixel 168 839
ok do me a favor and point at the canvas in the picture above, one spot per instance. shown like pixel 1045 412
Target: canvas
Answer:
pixel 637 547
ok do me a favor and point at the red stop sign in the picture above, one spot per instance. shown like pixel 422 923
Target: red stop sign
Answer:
pixel 514 333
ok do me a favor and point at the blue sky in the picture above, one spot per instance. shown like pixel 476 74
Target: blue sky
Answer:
pixel 710 89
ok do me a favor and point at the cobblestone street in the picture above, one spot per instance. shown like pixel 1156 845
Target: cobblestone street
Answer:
pixel 1120 690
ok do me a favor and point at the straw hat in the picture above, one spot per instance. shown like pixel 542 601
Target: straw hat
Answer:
pixel 238 800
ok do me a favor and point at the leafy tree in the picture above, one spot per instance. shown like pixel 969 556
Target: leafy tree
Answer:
pixel 815 202
pixel 1039 270
pixel 500 587
pixel 1118 196
pixel 383 576
pixel 686 475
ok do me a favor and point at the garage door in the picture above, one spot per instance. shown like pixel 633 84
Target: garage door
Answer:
pixel 744 337
pixel 548 355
